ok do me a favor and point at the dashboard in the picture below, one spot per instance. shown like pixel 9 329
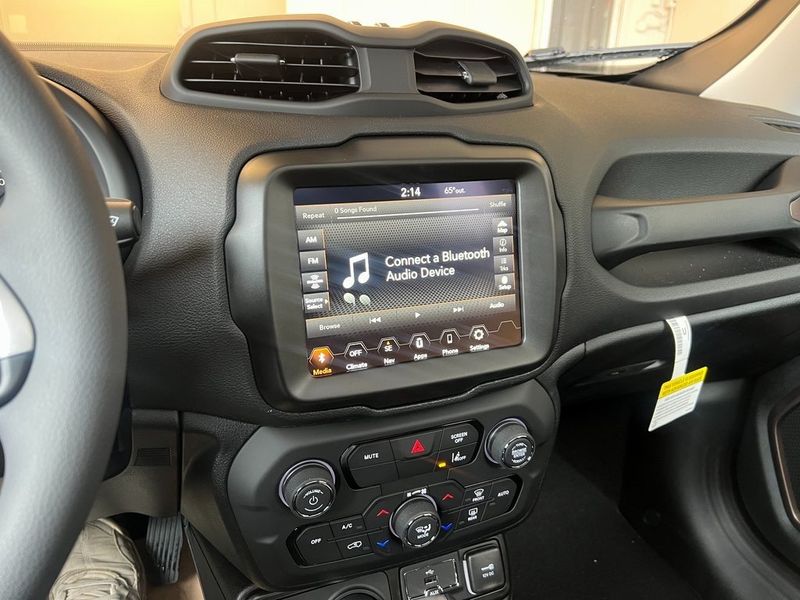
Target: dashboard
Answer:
pixel 361 311
pixel 181 327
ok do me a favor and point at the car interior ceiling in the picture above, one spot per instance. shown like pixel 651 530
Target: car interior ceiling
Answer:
pixel 405 314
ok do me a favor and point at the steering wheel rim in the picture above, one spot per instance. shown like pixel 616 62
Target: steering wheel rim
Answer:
pixel 59 257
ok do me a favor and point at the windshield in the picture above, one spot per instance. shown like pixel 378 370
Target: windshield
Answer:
pixel 565 25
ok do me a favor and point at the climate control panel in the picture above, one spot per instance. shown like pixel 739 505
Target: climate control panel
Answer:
pixel 404 522
pixel 415 517
pixel 340 498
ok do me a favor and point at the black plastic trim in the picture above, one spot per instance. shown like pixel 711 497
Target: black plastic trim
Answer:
pixel 623 228
pixel 385 58
pixel 779 456
pixel 263 270
pixel 764 481
pixel 211 587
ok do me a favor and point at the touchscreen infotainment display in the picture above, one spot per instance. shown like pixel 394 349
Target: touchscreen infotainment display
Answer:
pixel 407 272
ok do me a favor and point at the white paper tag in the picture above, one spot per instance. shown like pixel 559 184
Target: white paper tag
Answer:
pixel 682 335
pixel 677 397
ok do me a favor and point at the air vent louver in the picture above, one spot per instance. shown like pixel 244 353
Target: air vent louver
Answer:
pixel 461 72
pixel 295 66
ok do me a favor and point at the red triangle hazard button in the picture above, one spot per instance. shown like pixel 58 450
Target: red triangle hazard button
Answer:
pixel 415 446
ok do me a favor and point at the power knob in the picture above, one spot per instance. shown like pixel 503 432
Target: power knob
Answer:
pixel 510 444
pixel 416 521
pixel 308 489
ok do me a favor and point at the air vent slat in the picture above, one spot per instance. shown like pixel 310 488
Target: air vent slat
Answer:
pixel 430 85
pixel 293 66
pixel 334 54
pixel 223 83
pixel 291 72
pixel 227 64
pixel 440 72
pixel 450 68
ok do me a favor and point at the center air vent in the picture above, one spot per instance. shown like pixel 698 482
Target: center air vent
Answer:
pixel 460 72
pixel 317 65
pixel 295 66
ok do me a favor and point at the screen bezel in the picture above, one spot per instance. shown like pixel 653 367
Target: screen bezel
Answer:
pixel 263 270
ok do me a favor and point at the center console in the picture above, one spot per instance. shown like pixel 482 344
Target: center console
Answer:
pixel 409 287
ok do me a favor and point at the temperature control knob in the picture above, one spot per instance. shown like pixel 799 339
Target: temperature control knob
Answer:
pixel 308 488
pixel 510 444
pixel 416 521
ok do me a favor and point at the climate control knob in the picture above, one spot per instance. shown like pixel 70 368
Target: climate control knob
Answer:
pixel 416 521
pixel 510 444
pixel 308 488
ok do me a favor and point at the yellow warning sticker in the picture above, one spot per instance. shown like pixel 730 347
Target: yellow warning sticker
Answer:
pixel 677 398
pixel 682 382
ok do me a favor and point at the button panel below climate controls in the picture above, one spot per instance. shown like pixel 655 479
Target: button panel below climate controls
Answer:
pixel 456 436
pixel 382 461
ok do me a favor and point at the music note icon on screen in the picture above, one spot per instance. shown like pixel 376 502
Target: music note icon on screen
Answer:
pixel 363 277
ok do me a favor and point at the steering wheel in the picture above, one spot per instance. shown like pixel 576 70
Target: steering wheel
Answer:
pixel 60 271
